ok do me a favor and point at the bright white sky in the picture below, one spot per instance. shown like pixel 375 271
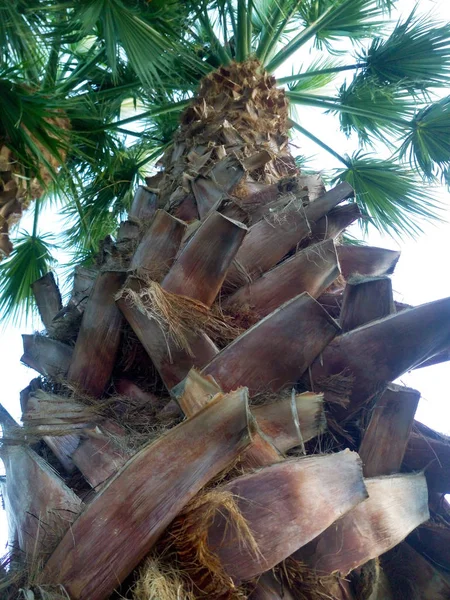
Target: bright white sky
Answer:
pixel 422 275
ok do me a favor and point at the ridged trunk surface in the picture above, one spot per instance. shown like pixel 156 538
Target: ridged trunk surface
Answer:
pixel 202 416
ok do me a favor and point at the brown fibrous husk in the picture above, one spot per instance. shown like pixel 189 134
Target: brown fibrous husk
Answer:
pixel 188 537
pixel 178 317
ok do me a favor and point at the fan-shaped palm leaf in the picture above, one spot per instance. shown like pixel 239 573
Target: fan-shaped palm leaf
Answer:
pixel 390 195
pixel 31 259
pixel 416 55
pixel 371 109
pixel 427 144
pixel 328 20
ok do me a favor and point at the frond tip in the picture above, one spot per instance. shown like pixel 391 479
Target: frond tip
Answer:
pixel 427 144
pixel 30 260
pixel 389 195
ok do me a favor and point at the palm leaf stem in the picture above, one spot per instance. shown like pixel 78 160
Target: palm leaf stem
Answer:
pixel 223 55
pixel 52 65
pixel 232 18
pixel 319 142
pixel 279 32
pixel 242 50
pixel 329 104
pixel 249 26
pixel 175 107
pixel 81 71
pixel 130 132
pixel 306 74
pixel 152 155
pixel 36 217
pixel 306 34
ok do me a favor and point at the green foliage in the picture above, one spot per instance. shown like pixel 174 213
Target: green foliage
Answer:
pixel 122 72
pixel 354 19
pixel 415 56
pixel 372 110
pixel 427 144
pixel 389 195
pixel 30 260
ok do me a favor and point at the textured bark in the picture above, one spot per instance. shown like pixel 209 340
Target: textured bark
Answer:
pixel 195 392
pixel 432 539
pixel 269 240
pixel 379 352
pixel 396 505
pixel 83 282
pixel 144 204
pixel 443 356
pixel 366 260
pixel 429 450
pixel 275 352
pixel 98 341
pixel 200 269
pixel 173 363
pixel 412 577
pixel 159 246
pixel 137 505
pixel 48 298
pixel 286 505
pixel 222 180
pixel 311 270
pixel 386 437
pixel 333 224
pixel 98 456
pixel 48 357
pixel 41 505
pixel 269 588
pixel 366 300
pixel 292 421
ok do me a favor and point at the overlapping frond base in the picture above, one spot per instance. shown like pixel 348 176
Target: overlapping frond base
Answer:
pixel 215 415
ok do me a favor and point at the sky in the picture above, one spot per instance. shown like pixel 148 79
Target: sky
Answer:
pixel 422 275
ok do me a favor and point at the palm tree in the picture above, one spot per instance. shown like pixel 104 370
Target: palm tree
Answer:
pixel 84 62
pixel 272 346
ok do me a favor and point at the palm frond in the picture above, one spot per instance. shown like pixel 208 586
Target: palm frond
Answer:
pixel 31 258
pixel 371 110
pixel 427 144
pixel 390 195
pixel 20 36
pixel 416 55
pixel 147 32
pixel 30 126
pixel 317 76
pixel 329 20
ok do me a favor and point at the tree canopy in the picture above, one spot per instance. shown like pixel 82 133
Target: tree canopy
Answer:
pixel 92 92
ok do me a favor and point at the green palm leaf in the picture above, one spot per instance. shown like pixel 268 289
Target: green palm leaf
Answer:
pixel 358 19
pixel 427 144
pixel 416 55
pixel 329 20
pixel 148 33
pixel 389 195
pixel 372 110
pixel 318 75
pixel 30 259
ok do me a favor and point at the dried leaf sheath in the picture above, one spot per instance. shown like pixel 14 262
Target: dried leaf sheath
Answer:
pixel 276 351
pixel 381 351
pixel 170 327
pixel 200 269
pixel 99 336
pixel 159 246
pixel 396 505
pixel 285 506
pixel 311 270
pixel 141 500
pixel 385 439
